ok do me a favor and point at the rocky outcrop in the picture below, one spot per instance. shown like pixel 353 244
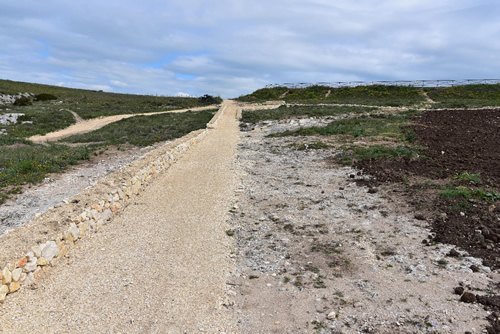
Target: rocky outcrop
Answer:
pixel 10 99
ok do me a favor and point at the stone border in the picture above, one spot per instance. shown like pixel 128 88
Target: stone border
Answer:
pixel 108 200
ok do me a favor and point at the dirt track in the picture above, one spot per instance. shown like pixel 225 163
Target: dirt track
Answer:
pixel 166 255
pixel 84 126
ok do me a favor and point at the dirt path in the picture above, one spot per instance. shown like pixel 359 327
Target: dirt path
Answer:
pixel 84 126
pixel 166 254
pixel 77 117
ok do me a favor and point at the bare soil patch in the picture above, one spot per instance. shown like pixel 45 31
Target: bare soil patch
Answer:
pixel 457 142
pixel 319 251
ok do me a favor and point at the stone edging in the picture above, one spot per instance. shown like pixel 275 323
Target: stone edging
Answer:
pixel 109 200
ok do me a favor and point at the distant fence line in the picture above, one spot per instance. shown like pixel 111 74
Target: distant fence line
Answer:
pixel 411 83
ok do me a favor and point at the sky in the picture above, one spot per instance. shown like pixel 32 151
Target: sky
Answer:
pixel 229 48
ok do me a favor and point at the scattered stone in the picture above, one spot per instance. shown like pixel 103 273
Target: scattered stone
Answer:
pixel 474 268
pixel 4 290
pixel 331 316
pixel 419 216
pixel 73 231
pixel 37 251
pixel 49 249
pixel 21 262
pixel 468 297
pixel 42 262
pixel 16 274
pixel 30 266
pixel 14 286
pixel 453 253
pixel 6 276
pixel 459 290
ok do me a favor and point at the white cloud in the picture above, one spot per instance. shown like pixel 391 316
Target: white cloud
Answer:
pixel 118 83
pixel 233 47
pixel 181 94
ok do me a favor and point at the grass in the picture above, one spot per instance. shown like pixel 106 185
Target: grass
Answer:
pixel 22 162
pixel 30 163
pixel 366 126
pixel 377 95
pixel 461 192
pixel 38 119
pixel 465 96
pixel 350 155
pixel 91 104
pixel 287 112
pixel 469 177
pixel 146 130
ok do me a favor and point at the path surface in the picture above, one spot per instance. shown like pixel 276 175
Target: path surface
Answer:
pixel 159 267
pixel 84 126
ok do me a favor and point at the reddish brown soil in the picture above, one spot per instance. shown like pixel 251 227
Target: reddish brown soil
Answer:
pixel 457 141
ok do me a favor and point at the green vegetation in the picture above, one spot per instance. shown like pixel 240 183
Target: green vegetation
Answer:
pixel 367 126
pixel 91 104
pixel 461 192
pixel 349 155
pixel 465 96
pixel 22 163
pixel 286 112
pixel 38 119
pixel 146 130
pixel 469 177
pixel 378 95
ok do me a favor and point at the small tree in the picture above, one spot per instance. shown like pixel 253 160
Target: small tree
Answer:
pixel 209 99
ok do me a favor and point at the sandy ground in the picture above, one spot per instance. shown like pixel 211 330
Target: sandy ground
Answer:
pixel 161 266
pixel 84 126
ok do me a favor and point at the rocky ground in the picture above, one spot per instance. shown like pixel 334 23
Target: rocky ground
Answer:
pixel 58 188
pixel 320 253
pixel 321 248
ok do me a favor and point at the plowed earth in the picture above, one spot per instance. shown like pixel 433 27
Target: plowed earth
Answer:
pixel 456 142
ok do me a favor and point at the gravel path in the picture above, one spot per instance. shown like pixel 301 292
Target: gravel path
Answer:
pixel 161 266
pixel 89 125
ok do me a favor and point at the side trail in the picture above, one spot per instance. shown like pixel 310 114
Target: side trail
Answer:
pixel 166 254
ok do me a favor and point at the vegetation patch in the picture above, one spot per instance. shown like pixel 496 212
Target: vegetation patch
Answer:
pixel 288 112
pixel 31 163
pixel 378 95
pixel 375 125
pixel 465 96
pixel 146 130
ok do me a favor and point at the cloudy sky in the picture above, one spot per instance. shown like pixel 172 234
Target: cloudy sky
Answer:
pixel 232 47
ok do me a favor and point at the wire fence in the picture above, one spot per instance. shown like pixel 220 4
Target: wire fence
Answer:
pixel 409 83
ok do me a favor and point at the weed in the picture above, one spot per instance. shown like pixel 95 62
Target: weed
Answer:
pixel 229 233
pixel 338 293
pixel 469 193
pixel 442 263
pixel 313 269
pixel 469 177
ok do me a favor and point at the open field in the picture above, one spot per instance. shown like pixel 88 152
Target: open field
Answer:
pixel 51 108
pixel 377 218
pixel 467 96
pixel 438 170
